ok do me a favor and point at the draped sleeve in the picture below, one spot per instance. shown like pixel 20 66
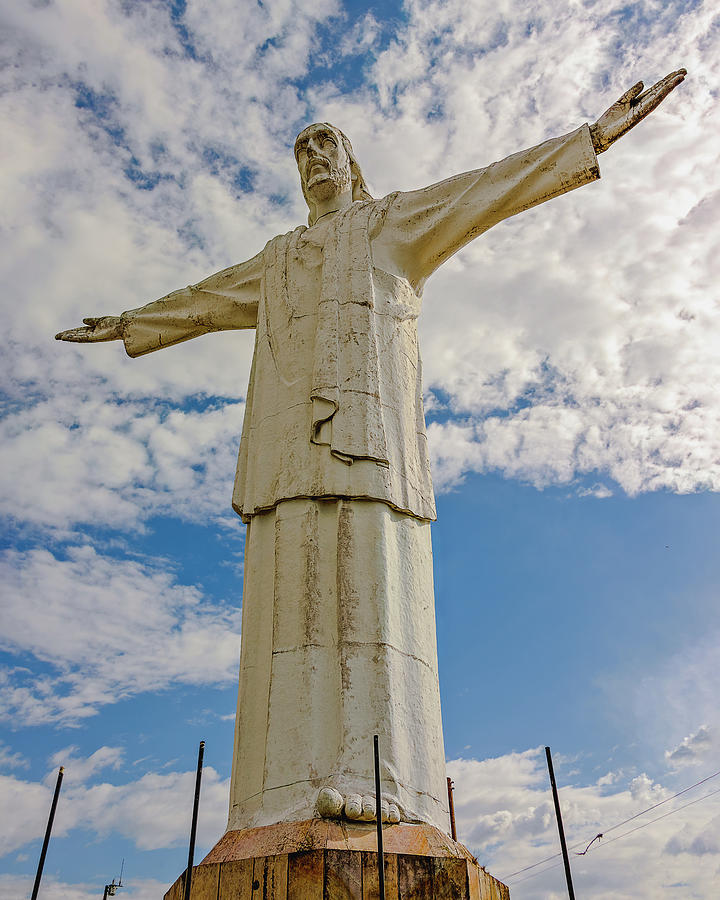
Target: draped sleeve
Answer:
pixel 225 300
pixel 426 227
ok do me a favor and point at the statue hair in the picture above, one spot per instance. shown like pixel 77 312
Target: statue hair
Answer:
pixel 359 186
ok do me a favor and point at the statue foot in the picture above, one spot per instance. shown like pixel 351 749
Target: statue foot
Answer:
pixel 331 804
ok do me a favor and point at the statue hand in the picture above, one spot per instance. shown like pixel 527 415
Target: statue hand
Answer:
pixel 630 109
pixel 104 328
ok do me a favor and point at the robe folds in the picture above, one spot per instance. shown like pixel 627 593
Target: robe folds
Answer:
pixel 338 599
pixel 334 439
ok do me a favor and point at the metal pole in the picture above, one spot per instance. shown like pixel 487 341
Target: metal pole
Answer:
pixel 566 860
pixel 378 815
pixel 451 807
pixel 43 852
pixel 193 827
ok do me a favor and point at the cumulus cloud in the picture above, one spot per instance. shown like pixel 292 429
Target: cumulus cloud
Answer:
pixel 30 802
pixel 147 152
pixel 362 36
pixel 79 769
pixel 10 759
pixel 675 704
pixel 149 149
pixel 696 842
pixel 589 325
pixel 107 628
pixel 152 812
pixel 14 886
pixel 505 814
pixel 71 461
pixel 691 748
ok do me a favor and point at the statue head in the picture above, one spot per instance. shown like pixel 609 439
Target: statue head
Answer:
pixel 327 165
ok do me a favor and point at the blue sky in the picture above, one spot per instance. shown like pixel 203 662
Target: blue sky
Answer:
pixel 571 374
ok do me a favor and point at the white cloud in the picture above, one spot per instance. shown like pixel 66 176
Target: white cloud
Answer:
pixel 153 812
pixel 593 319
pixel 670 701
pixel 13 887
pixel 11 760
pixel 109 628
pixel 579 338
pixel 79 769
pixel 29 802
pixel 99 461
pixel 362 37
pixel 505 815
pixel 692 748
pixel 696 841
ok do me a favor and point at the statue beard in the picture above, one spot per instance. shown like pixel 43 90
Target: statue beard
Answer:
pixel 336 181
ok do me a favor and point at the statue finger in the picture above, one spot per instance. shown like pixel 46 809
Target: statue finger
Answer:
pixel 673 78
pixel 632 93
pixel 91 321
pixel 655 95
pixel 663 87
pixel 677 78
pixel 74 334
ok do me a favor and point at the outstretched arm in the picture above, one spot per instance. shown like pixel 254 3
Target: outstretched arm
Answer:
pixel 226 300
pixel 424 228
pixel 630 109
pixel 104 328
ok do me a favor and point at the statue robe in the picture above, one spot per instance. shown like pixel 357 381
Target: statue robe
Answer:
pixel 334 482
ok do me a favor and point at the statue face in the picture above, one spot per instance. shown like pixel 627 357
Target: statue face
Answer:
pixel 322 162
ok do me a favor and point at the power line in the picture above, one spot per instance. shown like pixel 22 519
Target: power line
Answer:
pixel 617 838
pixel 534 865
pixel 663 816
pixel 619 824
pixel 535 874
pixel 649 809
pixel 667 800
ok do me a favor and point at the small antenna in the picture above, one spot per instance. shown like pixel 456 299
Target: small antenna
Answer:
pixel 111 889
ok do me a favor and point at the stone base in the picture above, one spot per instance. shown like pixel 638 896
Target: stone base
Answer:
pixel 324 860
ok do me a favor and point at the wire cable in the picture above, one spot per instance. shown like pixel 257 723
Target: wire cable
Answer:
pixel 619 824
pixel 527 868
pixel 663 816
pixel 535 874
pixel 660 803
pixel 617 838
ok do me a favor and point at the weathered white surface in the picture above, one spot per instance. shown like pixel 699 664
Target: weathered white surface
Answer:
pixel 336 309
pixel 334 479
pixel 333 474
pixel 338 645
pixel 338 619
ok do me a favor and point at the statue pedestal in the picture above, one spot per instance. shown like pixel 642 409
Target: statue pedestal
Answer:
pixel 320 859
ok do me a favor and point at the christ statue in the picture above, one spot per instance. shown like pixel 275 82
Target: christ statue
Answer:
pixel 333 476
